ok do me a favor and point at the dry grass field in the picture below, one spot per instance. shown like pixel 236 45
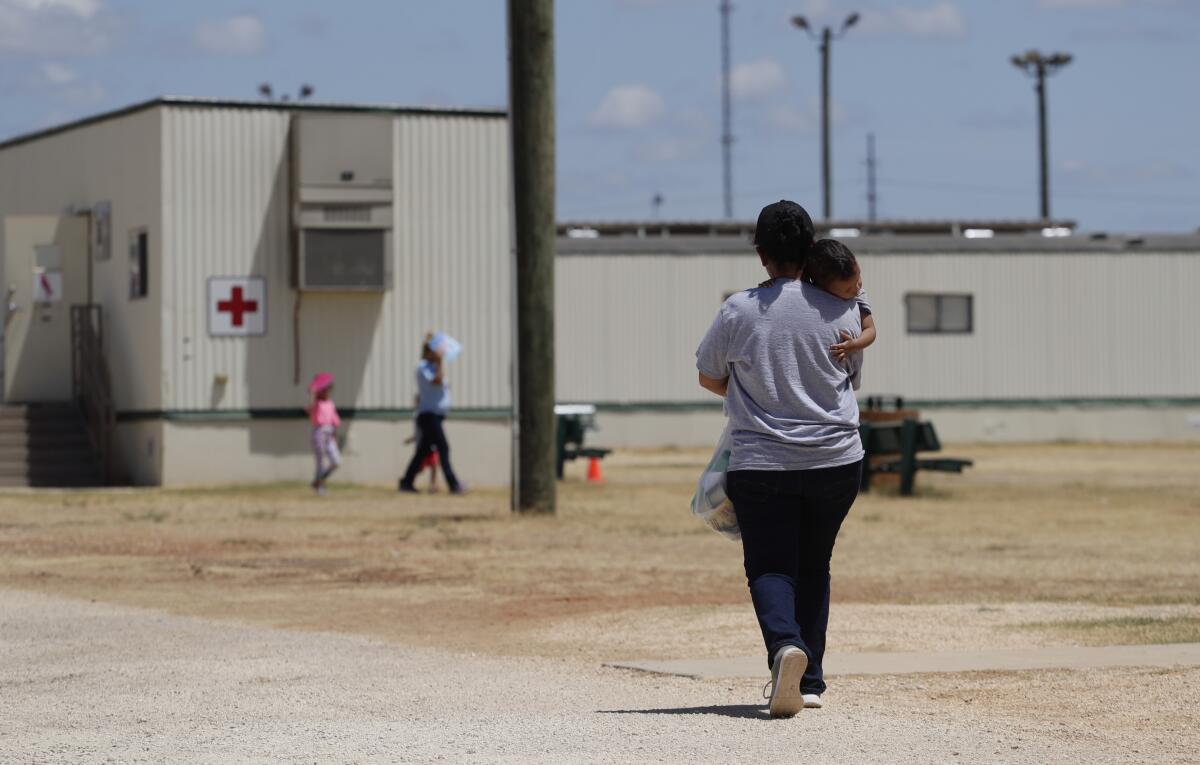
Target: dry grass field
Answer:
pixel 1036 545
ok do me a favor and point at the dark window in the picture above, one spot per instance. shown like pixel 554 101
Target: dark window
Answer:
pixel 933 313
pixel 139 264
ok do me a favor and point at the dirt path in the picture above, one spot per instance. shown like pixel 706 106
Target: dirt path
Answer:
pixel 89 682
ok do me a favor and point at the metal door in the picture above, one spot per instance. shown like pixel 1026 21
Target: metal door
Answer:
pixel 45 271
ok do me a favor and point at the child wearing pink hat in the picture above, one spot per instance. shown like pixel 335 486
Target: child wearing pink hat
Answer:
pixel 325 421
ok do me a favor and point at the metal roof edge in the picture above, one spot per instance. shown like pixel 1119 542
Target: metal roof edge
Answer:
pixel 685 246
pixel 184 101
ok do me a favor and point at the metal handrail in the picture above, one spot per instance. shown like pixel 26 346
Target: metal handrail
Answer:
pixel 91 384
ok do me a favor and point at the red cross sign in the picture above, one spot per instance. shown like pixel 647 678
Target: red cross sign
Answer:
pixel 237 306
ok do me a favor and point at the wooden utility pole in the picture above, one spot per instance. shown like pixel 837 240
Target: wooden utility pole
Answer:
pixel 531 111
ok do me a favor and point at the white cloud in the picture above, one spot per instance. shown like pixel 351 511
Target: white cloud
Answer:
pixel 756 79
pixel 83 8
pixel 666 150
pixel 57 74
pixel 234 36
pixel 52 27
pixel 789 119
pixel 64 85
pixel 941 20
pixel 629 106
pixel 786 118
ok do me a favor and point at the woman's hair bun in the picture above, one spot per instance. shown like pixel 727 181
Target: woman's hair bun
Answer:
pixel 784 232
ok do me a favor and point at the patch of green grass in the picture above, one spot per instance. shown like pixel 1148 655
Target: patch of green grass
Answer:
pixel 1126 630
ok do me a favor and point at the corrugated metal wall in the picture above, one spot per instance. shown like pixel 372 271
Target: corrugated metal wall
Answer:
pixel 1045 325
pixel 115 160
pixel 226 199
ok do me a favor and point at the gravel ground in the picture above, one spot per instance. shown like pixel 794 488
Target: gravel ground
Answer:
pixel 88 682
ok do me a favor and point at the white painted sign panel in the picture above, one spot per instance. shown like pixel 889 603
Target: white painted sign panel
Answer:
pixel 237 306
pixel 47 286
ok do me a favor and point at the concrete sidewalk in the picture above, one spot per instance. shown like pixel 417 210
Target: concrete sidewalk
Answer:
pixel 917 662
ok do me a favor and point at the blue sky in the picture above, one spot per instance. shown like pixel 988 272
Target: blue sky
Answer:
pixel 639 95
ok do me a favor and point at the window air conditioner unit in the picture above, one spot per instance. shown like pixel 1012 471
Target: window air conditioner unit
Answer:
pixel 345 259
pixel 343 202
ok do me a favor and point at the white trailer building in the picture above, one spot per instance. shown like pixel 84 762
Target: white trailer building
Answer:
pixel 229 251
pixel 1017 336
pixel 235 249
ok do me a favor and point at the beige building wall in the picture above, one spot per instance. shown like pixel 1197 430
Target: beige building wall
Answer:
pixel 138 452
pixel 226 213
pixel 700 427
pixel 263 451
pixel 115 160
pixel 1046 325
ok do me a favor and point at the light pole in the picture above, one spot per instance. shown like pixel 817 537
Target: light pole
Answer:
pixel 726 110
pixel 827 37
pixel 1038 65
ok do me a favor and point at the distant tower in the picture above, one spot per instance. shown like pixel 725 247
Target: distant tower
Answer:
pixel 656 203
pixel 726 109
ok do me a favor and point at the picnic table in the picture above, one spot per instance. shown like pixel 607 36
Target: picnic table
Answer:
pixel 892 447
pixel 574 420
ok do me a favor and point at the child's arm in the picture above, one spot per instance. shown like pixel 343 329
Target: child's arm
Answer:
pixel 852 344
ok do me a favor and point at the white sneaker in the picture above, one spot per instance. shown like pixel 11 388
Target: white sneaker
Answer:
pixel 786 672
pixel 812 701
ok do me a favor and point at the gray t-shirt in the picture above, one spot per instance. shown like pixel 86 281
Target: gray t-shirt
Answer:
pixel 790 405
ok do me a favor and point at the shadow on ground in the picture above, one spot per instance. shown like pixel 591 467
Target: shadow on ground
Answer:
pixel 746 711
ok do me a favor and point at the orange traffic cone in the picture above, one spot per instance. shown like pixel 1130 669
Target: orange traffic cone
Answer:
pixel 594 475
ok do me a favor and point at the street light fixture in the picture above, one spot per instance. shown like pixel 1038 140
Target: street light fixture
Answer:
pixel 827 36
pixel 1038 66
pixel 266 91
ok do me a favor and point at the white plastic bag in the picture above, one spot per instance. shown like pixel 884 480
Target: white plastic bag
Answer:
pixel 446 345
pixel 710 503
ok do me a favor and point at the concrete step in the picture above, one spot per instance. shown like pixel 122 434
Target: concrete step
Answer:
pixel 67 451
pixel 44 441
pixel 66 469
pixel 46 445
pixel 39 412
pixel 63 425
pixel 79 481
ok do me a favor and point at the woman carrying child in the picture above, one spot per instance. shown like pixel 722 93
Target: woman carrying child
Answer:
pixel 796 456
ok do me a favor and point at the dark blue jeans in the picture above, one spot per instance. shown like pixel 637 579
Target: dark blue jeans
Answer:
pixel 432 435
pixel 790 521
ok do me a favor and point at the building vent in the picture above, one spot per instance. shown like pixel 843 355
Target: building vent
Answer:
pixel 356 214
